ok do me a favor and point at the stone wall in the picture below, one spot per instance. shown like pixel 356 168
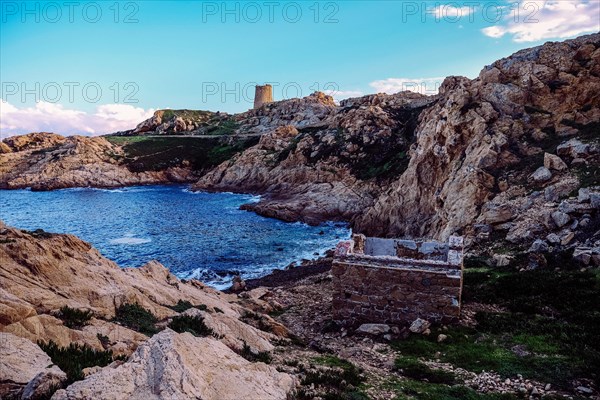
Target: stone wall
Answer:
pixel 397 281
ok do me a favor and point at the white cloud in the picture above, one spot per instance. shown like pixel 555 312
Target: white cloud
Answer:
pixel 548 19
pixel 419 85
pixel 50 117
pixel 343 94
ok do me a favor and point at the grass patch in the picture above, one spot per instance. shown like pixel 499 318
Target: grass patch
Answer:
pixel 74 318
pixel 192 324
pixel 415 369
pixel 137 318
pixel 549 332
pixel 158 153
pixel 392 164
pixel 411 389
pixel 73 359
pixel 335 378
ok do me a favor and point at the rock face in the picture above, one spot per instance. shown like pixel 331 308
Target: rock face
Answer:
pixel 484 136
pixel 46 161
pixel 42 272
pixel 181 366
pixel 407 165
pixel 317 161
pixel 23 362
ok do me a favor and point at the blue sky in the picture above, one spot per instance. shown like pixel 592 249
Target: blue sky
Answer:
pixel 145 55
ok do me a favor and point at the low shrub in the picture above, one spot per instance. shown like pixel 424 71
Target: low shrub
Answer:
pixel 137 318
pixel 192 324
pixel 261 356
pixel 73 317
pixel 74 358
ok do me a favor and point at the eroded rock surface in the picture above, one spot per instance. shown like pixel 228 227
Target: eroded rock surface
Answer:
pixel 46 161
pixel 181 366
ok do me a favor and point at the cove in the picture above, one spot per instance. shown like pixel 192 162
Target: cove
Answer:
pixel 194 234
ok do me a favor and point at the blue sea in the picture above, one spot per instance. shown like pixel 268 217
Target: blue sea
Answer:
pixel 195 234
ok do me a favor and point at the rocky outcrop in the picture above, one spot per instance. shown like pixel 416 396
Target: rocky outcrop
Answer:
pixel 477 146
pixel 411 165
pixel 45 161
pixel 181 366
pixel 178 122
pixel 24 365
pixel 41 272
pixel 317 161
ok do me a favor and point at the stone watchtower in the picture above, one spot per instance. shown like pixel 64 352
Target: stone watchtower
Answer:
pixel 263 95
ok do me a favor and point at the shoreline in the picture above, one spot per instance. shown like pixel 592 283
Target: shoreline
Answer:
pixel 288 276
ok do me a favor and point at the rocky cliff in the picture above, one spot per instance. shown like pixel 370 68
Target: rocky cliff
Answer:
pixel 528 124
pixel 496 156
pixel 41 273
pixel 318 161
pixel 45 161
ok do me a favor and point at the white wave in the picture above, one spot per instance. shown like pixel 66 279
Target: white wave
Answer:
pixel 127 240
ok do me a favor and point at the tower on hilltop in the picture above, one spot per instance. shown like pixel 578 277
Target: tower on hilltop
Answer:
pixel 263 95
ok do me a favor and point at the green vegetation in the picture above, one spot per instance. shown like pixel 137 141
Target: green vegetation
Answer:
pixel 73 359
pixel 415 369
pixel 226 127
pixel 137 318
pixel 74 318
pixel 338 380
pixel 157 153
pixel 261 356
pixel 192 324
pixel 415 390
pixel 256 320
pixel 183 305
pixel 190 115
pixel 38 234
pixel 549 332
pixel 391 164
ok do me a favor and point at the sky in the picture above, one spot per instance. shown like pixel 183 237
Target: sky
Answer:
pixel 95 67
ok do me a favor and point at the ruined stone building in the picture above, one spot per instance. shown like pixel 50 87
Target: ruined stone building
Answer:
pixel 397 281
pixel 263 95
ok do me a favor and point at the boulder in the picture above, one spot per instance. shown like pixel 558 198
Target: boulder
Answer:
pixel 182 366
pixel 373 329
pixel 43 382
pixel 501 260
pixel 595 200
pixel 22 361
pixel 582 255
pixel 554 162
pixel 573 148
pixel 553 238
pixel 419 326
pixel 560 218
pixel 542 174
pixel 539 246
pixel 583 195
pixel 495 214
